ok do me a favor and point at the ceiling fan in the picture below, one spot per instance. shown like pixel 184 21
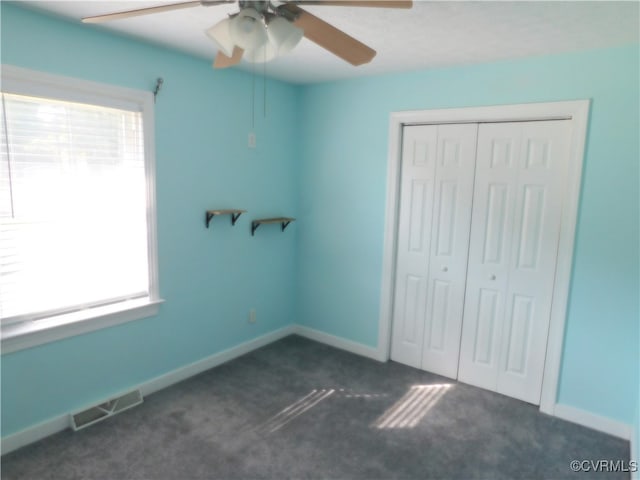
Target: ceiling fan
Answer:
pixel 262 29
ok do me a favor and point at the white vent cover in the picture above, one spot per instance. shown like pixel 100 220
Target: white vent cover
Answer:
pixel 105 410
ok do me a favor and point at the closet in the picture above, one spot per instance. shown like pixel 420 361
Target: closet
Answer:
pixel 477 244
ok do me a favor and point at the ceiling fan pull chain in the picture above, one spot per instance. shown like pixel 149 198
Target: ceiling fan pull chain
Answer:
pixel 253 96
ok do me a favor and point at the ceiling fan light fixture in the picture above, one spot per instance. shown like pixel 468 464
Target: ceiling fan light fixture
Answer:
pixel 220 33
pixel 283 34
pixel 264 53
pixel 247 30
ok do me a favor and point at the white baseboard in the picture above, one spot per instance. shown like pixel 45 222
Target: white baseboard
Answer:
pixel 33 434
pixel 338 342
pixel 214 360
pixel 593 421
pixel 59 423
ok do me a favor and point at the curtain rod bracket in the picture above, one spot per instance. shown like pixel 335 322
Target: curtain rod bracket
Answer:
pixel 159 83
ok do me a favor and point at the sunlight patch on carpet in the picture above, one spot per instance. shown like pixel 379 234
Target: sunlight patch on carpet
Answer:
pixel 412 407
pixel 295 410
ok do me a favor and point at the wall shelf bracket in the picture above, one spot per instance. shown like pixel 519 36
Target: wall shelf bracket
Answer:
pixel 235 214
pixel 283 221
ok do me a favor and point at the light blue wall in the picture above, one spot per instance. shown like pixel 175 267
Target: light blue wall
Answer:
pixel 342 201
pixel 209 278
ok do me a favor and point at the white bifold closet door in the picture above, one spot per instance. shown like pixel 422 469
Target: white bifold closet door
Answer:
pixel 477 247
pixel 520 171
pixel 438 163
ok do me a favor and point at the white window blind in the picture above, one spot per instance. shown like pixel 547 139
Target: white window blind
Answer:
pixel 73 207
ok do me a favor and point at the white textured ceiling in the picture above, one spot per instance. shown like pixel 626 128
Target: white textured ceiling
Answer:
pixel 430 35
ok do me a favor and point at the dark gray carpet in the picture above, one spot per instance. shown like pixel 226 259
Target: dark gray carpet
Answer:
pixel 299 409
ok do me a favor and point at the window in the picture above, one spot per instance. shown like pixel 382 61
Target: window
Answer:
pixel 77 207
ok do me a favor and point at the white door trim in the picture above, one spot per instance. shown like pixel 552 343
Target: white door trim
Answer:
pixel 578 112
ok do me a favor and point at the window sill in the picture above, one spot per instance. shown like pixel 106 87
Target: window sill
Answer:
pixel 23 335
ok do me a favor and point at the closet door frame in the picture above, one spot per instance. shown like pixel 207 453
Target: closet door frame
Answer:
pixel 577 112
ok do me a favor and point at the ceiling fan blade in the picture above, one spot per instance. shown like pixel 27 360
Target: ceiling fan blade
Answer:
pixel 146 11
pixel 330 38
pixel 223 61
pixel 358 3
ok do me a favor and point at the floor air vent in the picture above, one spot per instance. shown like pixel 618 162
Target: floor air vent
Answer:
pixel 105 410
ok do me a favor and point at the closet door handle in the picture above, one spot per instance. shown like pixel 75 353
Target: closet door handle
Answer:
pixel 445 269
pixel 492 277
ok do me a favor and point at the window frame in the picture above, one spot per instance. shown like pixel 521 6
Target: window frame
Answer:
pixel 29 333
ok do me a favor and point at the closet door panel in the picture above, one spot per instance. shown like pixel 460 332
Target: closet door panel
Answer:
pixel 414 242
pixel 514 240
pixel 489 253
pixel 542 170
pixel 446 280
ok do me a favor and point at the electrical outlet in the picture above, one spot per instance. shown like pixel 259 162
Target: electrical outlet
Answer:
pixel 252 140
pixel 252 315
